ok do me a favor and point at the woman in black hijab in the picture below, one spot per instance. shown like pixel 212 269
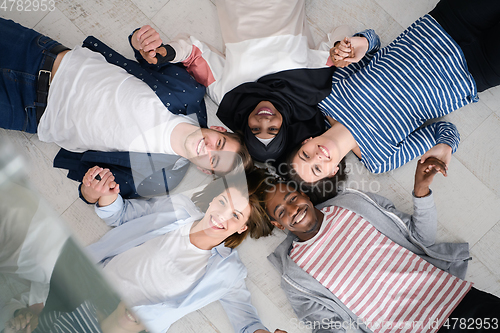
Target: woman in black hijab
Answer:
pixel 269 80
pixel 278 111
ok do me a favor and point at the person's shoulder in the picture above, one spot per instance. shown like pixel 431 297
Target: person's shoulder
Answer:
pixel 332 201
pixel 348 197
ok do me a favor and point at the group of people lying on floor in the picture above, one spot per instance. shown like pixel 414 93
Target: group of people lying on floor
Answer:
pixel 350 262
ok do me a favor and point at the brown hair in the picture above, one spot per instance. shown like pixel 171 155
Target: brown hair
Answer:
pixel 258 224
pixel 265 181
pixel 246 159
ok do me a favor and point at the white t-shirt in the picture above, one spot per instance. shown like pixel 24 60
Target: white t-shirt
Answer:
pixel 93 105
pixel 162 268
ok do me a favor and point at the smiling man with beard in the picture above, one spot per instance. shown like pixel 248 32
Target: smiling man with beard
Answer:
pixel 357 262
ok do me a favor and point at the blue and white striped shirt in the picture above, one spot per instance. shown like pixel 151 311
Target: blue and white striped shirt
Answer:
pixel 389 94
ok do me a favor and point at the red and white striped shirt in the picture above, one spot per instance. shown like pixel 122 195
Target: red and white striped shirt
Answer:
pixel 389 287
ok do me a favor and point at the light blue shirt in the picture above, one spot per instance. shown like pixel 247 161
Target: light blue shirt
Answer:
pixel 138 221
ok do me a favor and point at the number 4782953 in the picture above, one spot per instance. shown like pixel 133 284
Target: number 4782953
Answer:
pixel 27 5
pixel 471 323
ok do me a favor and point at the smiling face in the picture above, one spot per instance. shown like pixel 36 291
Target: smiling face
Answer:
pixel 227 214
pixel 290 209
pixel 316 159
pixel 265 121
pixel 204 147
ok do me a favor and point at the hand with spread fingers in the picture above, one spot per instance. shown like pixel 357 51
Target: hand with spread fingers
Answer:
pixel 424 175
pixel 99 184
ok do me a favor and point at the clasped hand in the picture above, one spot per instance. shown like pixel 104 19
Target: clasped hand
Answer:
pixel 424 175
pixel 348 51
pixel 24 322
pixel 97 183
pixel 148 42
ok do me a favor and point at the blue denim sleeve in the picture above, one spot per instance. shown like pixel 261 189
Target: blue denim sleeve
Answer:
pixel 373 40
pixel 111 214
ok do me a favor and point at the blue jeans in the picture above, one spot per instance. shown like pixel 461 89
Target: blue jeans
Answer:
pixel 22 53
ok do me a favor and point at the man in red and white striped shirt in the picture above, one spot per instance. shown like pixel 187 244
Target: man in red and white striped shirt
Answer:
pixel 356 262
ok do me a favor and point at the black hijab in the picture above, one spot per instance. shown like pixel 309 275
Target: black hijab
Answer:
pixel 295 93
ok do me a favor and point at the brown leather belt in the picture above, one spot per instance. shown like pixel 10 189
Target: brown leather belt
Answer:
pixel 43 82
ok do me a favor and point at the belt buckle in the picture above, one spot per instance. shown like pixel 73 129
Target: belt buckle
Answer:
pixel 49 73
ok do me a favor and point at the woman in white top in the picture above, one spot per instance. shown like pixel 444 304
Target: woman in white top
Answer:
pixel 166 258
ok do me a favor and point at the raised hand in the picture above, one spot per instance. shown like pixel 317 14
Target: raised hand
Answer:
pixel 424 175
pixel 147 41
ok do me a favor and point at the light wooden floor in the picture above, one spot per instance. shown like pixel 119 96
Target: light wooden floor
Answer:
pixel 468 200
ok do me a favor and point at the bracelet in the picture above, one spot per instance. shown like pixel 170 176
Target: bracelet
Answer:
pixel 169 57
